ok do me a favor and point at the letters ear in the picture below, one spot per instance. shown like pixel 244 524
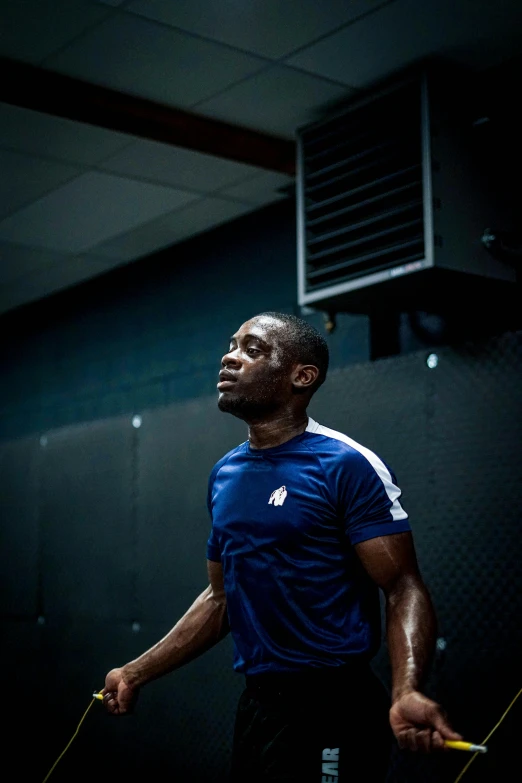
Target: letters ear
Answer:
pixel 331 754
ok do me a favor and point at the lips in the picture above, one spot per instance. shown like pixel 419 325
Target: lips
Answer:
pixel 226 379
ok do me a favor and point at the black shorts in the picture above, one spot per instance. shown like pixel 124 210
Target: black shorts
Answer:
pixel 325 726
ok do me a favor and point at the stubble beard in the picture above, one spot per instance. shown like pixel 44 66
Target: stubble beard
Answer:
pixel 246 408
pixel 263 400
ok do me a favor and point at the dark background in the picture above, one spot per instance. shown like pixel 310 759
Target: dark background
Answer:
pixel 104 524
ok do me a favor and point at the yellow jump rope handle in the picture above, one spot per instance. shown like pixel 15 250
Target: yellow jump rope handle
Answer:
pixel 469 746
pixel 97 696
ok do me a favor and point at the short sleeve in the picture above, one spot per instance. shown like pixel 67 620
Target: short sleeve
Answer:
pixel 369 498
pixel 213 550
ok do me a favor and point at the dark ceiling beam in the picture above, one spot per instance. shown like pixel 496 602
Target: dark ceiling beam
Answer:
pixel 34 88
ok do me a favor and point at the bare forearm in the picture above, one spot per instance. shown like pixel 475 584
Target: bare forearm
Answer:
pixel 411 633
pixel 200 628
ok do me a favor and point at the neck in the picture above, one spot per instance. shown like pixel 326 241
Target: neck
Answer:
pixel 277 429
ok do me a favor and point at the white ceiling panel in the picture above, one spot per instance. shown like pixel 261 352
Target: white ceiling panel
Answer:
pixel 181 224
pixel 54 137
pixel 177 166
pixel 24 178
pixel 205 214
pixel 268 28
pixel 275 101
pixel 140 57
pixel 33 29
pixel 16 261
pixel 406 31
pixel 91 209
pixel 263 189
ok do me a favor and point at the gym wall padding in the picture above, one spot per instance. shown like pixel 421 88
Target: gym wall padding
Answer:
pixel 453 436
pixel 20 540
pixel 104 532
pixel 86 480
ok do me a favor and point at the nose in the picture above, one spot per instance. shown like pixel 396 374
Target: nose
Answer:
pixel 231 359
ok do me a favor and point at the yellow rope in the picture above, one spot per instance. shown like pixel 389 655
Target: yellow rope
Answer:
pixel 69 743
pixel 458 778
pixel 489 735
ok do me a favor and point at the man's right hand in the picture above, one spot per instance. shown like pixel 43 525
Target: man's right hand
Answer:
pixel 118 697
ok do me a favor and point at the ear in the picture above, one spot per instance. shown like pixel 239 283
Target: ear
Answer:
pixel 304 376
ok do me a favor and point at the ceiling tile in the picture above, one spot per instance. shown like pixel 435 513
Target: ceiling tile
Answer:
pixel 169 229
pixel 178 167
pixel 276 101
pixel 263 189
pixel 11 298
pixel 34 29
pixel 139 57
pixel 268 28
pixel 25 178
pixel 406 31
pixel 14 296
pixel 40 283
pixel 99 262
pixel 91 209
pixel 17 261
pixel 205 214
pixel 54 137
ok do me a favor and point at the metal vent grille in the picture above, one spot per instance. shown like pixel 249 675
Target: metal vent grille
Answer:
pixel 360 185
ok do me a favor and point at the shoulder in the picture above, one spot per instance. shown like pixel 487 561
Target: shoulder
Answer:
pixel 324 439
pixel 337 448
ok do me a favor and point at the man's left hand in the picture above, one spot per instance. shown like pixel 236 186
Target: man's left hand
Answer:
pixel 420 724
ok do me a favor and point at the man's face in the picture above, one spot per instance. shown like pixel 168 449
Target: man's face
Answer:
pixel 255 379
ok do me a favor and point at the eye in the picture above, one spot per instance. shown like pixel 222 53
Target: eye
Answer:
pixel 253 350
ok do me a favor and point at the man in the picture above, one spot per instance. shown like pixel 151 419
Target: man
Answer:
pixel 306 527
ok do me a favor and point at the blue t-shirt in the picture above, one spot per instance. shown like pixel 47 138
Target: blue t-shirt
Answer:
pixel 284 524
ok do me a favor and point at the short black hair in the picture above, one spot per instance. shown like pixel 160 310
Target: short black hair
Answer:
pixel 305 344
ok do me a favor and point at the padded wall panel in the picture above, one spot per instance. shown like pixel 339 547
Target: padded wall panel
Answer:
pixel 87 521
pixel 188 719
pixel 453 436
pixel 76 654
pixel 23 690
pixel 182 725
pixel 19 539
pixel 178 446
pixel 477 469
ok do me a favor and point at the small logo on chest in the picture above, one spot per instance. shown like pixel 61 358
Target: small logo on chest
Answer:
pixel 278 496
